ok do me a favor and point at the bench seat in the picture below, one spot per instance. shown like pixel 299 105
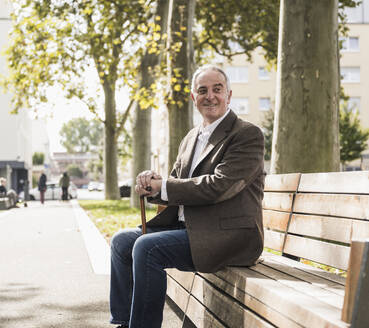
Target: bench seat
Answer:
pixel 5 203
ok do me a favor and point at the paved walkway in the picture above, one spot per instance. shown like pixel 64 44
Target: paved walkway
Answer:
pixel 54 269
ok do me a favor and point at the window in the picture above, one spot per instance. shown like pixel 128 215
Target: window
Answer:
pixel 350 44
pixel 353 104
pixel 358 14
pixel 350 74
pixel 263 74
pixel 238 74
pixel 264 104
pixel 240 105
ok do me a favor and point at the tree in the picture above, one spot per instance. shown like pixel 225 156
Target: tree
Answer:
pixel 180 66
pixel 306 116
pixel 148 79
pixel 82 135
pixel 55 42
pixel 74 171
pixel 38 158
pixel 231 32
pixel 267 126
pixel 353 138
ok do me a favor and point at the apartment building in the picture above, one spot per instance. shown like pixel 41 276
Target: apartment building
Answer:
pixel 15 130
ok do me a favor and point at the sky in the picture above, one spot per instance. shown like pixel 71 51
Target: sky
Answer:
pixel 62 113
pixel 62 110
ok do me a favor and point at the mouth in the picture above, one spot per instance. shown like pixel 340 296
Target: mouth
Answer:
pixel 210 105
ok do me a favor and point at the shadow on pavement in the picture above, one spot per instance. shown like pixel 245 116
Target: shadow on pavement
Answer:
pixel 19 307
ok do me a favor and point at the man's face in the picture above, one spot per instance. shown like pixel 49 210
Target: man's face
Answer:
pixel 211 96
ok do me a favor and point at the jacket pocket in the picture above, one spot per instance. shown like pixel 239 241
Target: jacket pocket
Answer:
pixel 237 222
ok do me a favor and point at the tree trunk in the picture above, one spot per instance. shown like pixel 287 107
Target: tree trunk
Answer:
pixel 142 121
pixel 306 136
pixel 180 72
pixel 110 149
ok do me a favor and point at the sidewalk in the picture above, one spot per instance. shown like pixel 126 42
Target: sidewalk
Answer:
pixel 47 269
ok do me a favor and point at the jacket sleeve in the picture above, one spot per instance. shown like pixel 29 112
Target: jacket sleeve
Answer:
pixel 241 162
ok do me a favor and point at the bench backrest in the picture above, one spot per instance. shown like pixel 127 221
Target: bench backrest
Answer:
pixel 315 216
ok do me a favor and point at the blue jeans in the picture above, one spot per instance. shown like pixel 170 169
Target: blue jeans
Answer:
pixel 138 280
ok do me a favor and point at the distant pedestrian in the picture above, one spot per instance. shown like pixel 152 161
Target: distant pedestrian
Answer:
pixel 42 187
pixel 3 187
pixel 64 184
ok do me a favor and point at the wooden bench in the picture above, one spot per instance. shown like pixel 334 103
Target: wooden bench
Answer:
pixel 322 217
pixel 5 203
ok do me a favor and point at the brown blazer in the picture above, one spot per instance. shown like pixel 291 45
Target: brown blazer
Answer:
pixel 222 200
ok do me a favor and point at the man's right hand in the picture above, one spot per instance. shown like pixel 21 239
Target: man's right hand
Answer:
pixel 144 180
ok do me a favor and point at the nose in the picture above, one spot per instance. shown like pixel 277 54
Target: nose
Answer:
pixel 210 95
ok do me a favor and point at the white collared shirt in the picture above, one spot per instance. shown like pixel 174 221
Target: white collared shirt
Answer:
pixel 202 140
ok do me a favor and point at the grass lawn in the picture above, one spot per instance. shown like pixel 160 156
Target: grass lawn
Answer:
pixel 111 215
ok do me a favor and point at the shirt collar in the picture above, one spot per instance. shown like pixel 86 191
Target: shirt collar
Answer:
pixel 209 129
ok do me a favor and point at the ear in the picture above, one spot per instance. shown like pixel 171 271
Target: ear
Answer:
pixel 192 97
pixel 229 97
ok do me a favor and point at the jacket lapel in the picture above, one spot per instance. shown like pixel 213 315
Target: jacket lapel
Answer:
pixel 188 153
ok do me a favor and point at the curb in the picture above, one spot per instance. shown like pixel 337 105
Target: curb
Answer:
pixel 97 247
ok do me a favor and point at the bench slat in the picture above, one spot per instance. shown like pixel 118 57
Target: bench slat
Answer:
pixel 302 286
pixel 304 273
pixel 177 293
pixel 278 201
pixel 275 220
pixel 335 229
pixel 200 316
pixel 252 303
pixel 304 310
pixel 231 313
pixel 282 182
pixel 306 268
pixel 318 251
pixel 351 206
pixel 273 240
pixel 335 182
pixel 185 279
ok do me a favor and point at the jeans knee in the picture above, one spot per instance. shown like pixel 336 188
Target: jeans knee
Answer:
pixel 122 242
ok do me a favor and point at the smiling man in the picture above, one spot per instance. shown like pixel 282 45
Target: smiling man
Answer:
pixel 213 216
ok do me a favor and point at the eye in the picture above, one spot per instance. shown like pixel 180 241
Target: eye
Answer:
pixel 201 91
pixel 217 90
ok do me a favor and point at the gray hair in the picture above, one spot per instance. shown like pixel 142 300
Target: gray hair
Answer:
pixel 211 68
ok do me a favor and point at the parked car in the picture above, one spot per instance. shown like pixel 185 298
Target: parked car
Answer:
pixel 53 191
pixel 125 188
pixel 93 185
pixel 101 186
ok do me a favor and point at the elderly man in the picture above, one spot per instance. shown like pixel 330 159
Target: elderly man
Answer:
pixel 213 216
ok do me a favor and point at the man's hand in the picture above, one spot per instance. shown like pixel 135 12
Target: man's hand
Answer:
pixel 148 179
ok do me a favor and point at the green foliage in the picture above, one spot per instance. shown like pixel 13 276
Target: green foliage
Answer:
pixel 38 158
pixel 238 27
pixel 233 27
pixel 34 180
pixel 267 126
pixel 55 42
pixel 74 171
pixel 82 135
pixel 111 215
pixel 353 138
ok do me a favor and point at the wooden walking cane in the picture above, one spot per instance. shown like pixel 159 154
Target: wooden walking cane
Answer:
pixel 143 211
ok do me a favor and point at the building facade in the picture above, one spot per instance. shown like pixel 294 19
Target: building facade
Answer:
pixel 15 131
